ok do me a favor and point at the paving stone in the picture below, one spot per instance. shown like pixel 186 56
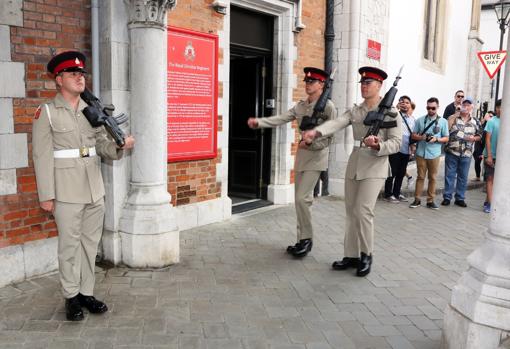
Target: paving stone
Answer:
pixel 171 341
pixel 411 332
pixel 236 288
pixel 381 330
pixel 431 312
pixel 422 322
pixel 406 310
pixel 399 342
pixel 40 326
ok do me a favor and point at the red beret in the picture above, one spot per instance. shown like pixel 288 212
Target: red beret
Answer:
pixel 67 61
pixel 315 73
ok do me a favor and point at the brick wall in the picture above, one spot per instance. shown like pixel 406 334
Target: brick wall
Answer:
pixel 49 26
pixel 195 181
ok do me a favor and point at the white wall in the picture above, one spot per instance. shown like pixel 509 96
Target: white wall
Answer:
pixel 490 34
pixel 405 46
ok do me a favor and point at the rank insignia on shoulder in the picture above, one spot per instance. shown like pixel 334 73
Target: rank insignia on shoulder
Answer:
pixel 37 113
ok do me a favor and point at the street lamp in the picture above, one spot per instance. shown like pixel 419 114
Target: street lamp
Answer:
pixel 502 10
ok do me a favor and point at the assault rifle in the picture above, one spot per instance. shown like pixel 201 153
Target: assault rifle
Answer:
pixel 310 122
pixel 99 115
pixel 375 118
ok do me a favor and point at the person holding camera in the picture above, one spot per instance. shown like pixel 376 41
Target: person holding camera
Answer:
pixel 455 106
pixel 399 161
pixel 430 131
pixel 311 157
pixel 66 152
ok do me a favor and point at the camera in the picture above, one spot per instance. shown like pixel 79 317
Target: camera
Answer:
pixel 428 137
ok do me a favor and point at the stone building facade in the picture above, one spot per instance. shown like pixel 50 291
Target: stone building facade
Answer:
pixel 141 229
pixel 149 200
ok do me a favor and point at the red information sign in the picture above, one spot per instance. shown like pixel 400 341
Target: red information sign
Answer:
pixel 192 78
pixel 374 50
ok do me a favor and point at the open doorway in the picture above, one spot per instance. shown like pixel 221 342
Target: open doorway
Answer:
pixel 251 58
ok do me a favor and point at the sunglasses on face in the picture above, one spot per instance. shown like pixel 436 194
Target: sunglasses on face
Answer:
pixel 460 96
pixel 431 108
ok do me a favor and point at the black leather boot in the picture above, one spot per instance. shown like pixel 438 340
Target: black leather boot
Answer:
pixel 302 248
pixel 291 249
pixel 364 264
pixel 346 263
pixel 73 309
pixel 92 304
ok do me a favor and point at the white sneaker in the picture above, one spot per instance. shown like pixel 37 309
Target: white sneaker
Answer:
pixel 392 200
pixel 402 198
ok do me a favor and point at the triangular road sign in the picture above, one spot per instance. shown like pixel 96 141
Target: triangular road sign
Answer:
pixel 492 61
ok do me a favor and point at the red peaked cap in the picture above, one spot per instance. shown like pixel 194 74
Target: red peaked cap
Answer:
pixel 315 73
pixel 67 61
pixel 372 73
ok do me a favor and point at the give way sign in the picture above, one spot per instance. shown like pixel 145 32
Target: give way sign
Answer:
pixel 492 61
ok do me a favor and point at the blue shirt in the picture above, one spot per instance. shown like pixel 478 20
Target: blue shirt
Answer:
pixel 492 127
pixel 430 150
pixel 404 148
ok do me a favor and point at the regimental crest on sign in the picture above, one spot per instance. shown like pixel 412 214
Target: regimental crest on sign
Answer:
pixel 189 52
pixel 492 61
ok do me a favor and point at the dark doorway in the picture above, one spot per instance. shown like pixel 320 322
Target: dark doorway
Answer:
pixel 251 57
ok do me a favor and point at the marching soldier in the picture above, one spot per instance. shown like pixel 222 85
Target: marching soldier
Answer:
pixel 311 157
pixel 66 152
pixel 367 169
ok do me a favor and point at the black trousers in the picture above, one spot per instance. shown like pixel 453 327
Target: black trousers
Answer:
pixel 393 184
pixel 324 177
pixel 478 160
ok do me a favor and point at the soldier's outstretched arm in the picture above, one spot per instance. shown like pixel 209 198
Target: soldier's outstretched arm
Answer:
pixel 332 126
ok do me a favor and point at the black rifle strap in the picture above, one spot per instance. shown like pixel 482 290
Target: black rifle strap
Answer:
pixel 428 126
pixel 403 118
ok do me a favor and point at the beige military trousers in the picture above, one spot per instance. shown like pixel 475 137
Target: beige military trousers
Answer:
pixel 79 230
pixel 360 199
pixel 304 182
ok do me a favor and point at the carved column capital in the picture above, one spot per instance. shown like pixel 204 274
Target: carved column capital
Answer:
pixel 149 12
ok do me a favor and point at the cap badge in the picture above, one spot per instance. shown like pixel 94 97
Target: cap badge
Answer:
pixel 77 61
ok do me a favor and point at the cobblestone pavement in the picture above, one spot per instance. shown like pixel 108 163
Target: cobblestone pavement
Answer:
pixel 236 288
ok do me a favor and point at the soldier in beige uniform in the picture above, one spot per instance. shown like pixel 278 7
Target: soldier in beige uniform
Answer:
pixel 367 169
pixel 66 152
pixel 311 158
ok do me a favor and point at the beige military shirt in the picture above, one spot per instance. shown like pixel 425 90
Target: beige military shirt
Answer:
pixel 315 158
pixel 365 162
pixel 73 180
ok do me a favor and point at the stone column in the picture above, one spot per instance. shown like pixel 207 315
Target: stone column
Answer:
pixel 473 87
pixel 148 229
pixel 478 315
